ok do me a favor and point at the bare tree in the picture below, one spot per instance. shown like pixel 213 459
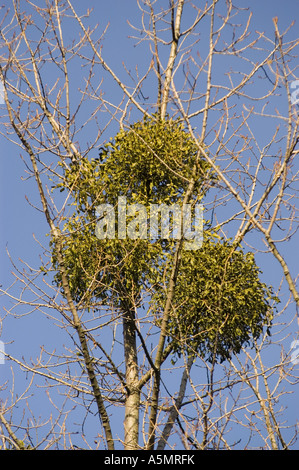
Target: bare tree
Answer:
pixel 221 82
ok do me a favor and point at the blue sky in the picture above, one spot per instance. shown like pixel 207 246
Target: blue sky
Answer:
pixel 20 222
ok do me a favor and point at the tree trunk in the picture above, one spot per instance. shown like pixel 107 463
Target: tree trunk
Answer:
pixel 131 423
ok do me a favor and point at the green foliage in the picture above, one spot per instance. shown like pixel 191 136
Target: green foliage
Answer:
pixel 220 303
pixel 149 163
pixel 152 162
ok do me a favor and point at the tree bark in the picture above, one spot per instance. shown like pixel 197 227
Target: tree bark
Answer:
pixel 131 423
pixel 174 412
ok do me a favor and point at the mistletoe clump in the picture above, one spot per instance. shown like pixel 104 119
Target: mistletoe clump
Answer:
pixel 151 162
pixel 220 302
